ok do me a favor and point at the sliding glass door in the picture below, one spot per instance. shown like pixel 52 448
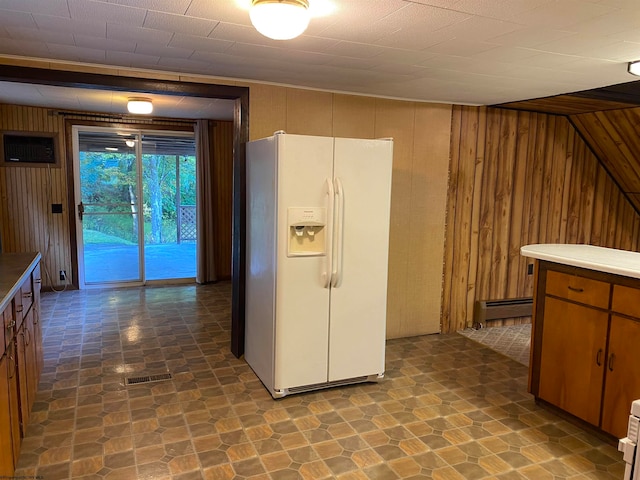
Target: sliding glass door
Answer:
pixel 136 205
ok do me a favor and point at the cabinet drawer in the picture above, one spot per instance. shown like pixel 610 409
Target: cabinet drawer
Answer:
pixel 579 289
pixel 626 300
pixel 26 294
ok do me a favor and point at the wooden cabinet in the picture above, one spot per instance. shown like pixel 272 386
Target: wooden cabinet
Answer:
pixel 9 413
pixel 585 344
pixel 37 326
pixel 573 349
pixel 21 359
pixel 622 374
pixel 27 368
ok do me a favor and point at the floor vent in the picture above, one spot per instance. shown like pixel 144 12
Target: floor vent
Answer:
pixel 487 310
pixel 147 379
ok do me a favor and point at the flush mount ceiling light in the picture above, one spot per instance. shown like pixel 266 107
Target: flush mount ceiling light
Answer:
pixel 280 19
pixel 634 68
pixel 140 106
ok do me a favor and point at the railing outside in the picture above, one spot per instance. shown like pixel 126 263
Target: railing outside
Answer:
pixel 186 223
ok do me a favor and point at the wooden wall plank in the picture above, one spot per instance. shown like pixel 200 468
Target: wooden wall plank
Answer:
pixel 517 272
pixel 223 168
pixel 478 175
pixel 464 194
pixel 487 199
pixel 502 205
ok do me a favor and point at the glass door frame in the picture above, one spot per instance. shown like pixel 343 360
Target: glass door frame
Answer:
pixel 80 245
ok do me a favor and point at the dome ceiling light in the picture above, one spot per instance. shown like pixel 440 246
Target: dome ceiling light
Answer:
pixel 280 19
pixel 140 106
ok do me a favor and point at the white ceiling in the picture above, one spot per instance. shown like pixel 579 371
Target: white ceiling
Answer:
pixel 107 101
pixel 454 51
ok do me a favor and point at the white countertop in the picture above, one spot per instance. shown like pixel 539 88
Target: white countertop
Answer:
pixel 609 260
pixel 14 269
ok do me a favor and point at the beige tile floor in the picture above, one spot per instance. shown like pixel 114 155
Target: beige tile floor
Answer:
pixel 449 408
pixel 512 341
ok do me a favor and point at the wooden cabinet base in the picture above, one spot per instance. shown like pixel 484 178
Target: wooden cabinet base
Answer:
pixel 9 414
pixel 21 359
pixel 585 357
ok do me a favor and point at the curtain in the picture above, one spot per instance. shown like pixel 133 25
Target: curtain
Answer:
pixel 205 203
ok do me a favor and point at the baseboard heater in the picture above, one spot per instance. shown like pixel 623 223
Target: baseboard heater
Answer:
pixel 487 310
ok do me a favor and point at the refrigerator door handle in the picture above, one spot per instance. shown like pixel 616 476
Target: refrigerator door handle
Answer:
pixel 336 276
pixel 326 271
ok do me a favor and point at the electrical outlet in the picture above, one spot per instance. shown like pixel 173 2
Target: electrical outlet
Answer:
pixel 63 274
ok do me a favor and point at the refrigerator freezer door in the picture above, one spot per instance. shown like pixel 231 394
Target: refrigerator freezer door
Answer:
pixel 362 169
pixel 302 300
pixel 261 259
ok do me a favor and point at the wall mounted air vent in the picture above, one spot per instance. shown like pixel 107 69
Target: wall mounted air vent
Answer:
pixel 28 148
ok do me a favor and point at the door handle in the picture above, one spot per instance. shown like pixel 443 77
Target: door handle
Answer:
pixel 339 234
pixel 80 210
pixel 599 358
pixel 611 358
pixel 327 273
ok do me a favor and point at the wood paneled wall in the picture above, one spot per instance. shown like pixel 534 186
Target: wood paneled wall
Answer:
pixel 222 136
pixel 27 192
pixel 421 135
pixel 614 136
pixel 519 178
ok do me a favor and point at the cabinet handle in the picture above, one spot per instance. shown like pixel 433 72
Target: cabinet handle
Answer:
pixel 599 358
pixel 12 361
pixel 27 340
pixel 37 280
pixel 19 308
pixel 611 357
pixel 27 295
pixel 574 289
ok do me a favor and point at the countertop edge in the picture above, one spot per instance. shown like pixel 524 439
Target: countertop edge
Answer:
pixel 25 274
pixel 563 255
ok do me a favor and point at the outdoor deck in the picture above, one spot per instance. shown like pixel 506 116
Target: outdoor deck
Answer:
pixel 106 263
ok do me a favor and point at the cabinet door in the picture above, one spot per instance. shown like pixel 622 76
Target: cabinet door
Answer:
pixel 9 323
pixel 23 377
pixel 13 418
pixel 573 358
pixel 37 339
pixel 37 326
pixel 6 443
pixel 27 369
pixel 622 384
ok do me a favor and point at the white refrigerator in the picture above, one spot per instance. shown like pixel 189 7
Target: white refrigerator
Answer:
pixel 317 255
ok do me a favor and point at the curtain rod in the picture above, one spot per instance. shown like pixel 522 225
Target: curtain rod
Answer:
pixel 106 116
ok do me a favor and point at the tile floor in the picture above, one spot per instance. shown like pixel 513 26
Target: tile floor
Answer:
pixel 449 408
pixel 512 341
